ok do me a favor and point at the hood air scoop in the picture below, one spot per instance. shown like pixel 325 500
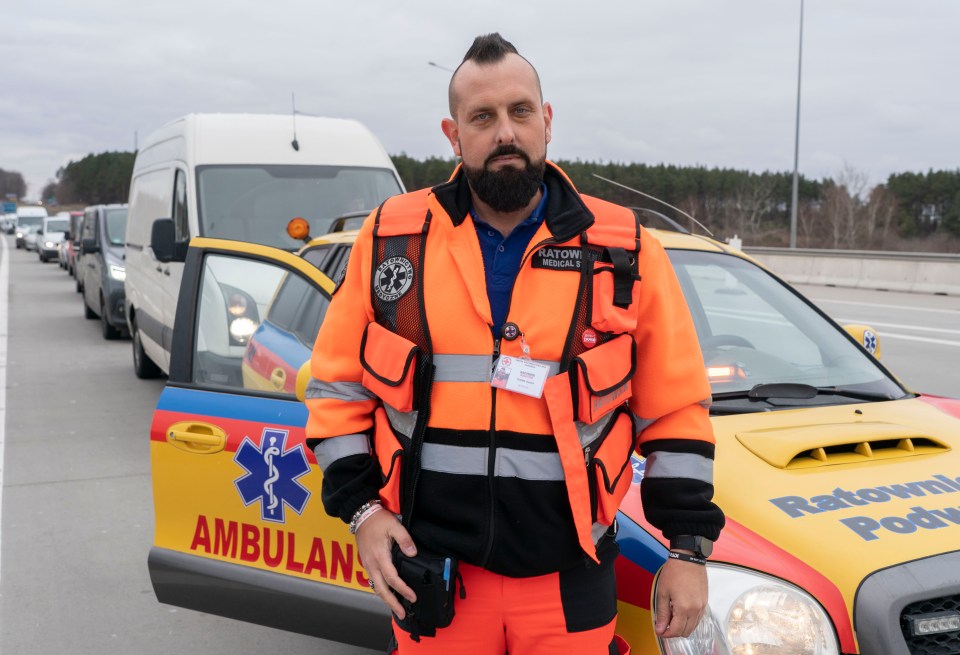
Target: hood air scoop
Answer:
pixel 813 446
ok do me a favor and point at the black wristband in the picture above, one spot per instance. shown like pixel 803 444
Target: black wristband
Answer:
pixel 683 557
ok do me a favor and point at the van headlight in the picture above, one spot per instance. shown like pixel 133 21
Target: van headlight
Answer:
pixel 750 613
pixel 118 273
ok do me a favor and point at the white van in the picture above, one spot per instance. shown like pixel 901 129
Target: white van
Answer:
pixel 240 177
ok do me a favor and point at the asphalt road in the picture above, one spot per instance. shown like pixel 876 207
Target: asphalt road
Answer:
pixel 77 512
pixel 77 517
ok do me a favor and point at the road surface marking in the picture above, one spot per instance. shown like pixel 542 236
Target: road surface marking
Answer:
pixel 4 322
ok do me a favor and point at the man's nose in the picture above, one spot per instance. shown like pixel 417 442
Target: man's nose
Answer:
pixel 505 133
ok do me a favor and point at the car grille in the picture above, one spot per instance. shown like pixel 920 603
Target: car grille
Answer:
pixel 946 643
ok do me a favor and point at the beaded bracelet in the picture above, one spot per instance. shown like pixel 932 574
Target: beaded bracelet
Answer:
pixel 364 512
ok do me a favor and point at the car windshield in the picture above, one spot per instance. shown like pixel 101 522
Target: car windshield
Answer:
pixel 28 221
pixel 57 226
pixel 116 225
pixel 755 330
pixel 255 203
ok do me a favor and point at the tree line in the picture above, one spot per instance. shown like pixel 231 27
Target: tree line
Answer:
pixel 910 211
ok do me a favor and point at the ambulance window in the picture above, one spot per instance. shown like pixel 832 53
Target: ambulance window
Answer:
pixel 255 325
pixel 181 223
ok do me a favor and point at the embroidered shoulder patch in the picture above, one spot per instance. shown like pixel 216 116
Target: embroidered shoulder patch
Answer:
pixel 394 278
pixel 558 259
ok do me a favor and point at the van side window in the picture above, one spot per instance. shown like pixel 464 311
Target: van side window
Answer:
pixel 89 223
pixel 181 224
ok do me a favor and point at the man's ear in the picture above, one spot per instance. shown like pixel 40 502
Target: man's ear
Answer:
pixel 452 132
pixel 547 120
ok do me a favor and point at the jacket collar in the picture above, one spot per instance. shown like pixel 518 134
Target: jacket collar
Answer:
pixel 566 215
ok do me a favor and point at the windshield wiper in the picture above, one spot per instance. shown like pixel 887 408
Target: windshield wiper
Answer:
pixel 794 390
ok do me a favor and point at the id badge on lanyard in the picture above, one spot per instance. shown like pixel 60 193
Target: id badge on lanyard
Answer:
pixel 520 374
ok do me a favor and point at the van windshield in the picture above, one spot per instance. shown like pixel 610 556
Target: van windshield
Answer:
pixel 116 225
pixel 30 221
pixel 255 202
pixel 57 226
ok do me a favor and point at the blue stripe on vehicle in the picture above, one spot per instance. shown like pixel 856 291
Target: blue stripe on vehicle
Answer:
pixel 270 411
pixel 281 343
pixel 639 546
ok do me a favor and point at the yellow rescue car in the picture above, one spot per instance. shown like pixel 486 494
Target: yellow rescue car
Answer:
pixel 841 486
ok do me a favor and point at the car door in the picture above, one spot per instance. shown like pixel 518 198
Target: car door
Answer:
pixel 240 530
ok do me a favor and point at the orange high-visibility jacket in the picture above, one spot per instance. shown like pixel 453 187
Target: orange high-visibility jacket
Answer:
pixel 520 485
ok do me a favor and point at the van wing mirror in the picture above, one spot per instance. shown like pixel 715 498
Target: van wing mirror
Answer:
pixel 162 239
pixel 89 246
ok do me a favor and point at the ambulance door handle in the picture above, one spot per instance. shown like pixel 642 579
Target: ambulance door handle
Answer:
pixel 196 437
pixel 278 377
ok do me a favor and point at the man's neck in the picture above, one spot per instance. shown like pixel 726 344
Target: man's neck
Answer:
pixel 504 222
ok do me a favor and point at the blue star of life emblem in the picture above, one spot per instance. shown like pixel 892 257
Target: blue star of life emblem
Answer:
pixel 271 476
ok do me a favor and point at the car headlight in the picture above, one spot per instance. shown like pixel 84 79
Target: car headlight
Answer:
pixel 750 613
pixel 19 234
pixel 118 273
pixel 48 244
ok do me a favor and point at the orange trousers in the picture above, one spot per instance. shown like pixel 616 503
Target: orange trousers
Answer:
pixel 567 613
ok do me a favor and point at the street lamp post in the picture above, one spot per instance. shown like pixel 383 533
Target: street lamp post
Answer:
pixel 796 145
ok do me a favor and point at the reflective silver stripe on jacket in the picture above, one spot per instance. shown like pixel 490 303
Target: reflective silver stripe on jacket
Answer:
pixel 348 392
pixel 472 368
pixel 511 463
pixel 679 465
pixel 333 448
pixel 402 422
pixel 589 433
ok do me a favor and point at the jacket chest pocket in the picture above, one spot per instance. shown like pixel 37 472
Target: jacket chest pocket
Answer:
pixel 602 378
pixel 615 292
pixel 608 467
pixel 389 366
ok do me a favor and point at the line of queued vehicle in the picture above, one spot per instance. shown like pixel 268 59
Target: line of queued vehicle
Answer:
pixel 89 245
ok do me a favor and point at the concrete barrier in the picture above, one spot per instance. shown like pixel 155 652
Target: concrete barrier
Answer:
pixel 890 271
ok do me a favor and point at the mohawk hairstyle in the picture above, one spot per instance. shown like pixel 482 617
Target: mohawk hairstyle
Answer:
pixel 487 49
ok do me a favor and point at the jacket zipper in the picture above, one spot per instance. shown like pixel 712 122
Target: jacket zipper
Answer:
pixel 492 459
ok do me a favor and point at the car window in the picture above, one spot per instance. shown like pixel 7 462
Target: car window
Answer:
pixel 181 222
pixel 116 225
pixel 89 222
pixel 255 325
pixel 755 330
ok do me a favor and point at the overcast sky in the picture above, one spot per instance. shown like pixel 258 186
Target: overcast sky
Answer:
pixel 685 82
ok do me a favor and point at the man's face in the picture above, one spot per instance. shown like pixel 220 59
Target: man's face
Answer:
pixel 500 131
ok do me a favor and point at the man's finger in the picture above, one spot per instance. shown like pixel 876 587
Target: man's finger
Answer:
pixel 383 592
pixel 663 614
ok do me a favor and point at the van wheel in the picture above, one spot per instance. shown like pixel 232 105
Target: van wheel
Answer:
pixel 143 366
pixel 79 286
pixel 87 312
pixel 109 332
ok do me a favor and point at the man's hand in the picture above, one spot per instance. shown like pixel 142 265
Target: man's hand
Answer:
pixel 375 538
pixel 681 598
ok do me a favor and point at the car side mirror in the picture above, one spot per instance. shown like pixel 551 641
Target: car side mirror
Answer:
pixel 66 235
pixel 162 239
pixel 866 336
pixel 89 246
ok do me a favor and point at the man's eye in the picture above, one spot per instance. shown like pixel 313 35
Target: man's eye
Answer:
pixel 482 116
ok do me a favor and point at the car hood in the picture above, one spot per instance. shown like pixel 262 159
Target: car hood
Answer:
pixel 824 497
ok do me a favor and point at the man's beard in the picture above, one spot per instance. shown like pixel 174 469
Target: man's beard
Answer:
pixel 509 189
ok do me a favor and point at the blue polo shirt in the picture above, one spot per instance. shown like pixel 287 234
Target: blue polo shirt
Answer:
pixel 502 257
